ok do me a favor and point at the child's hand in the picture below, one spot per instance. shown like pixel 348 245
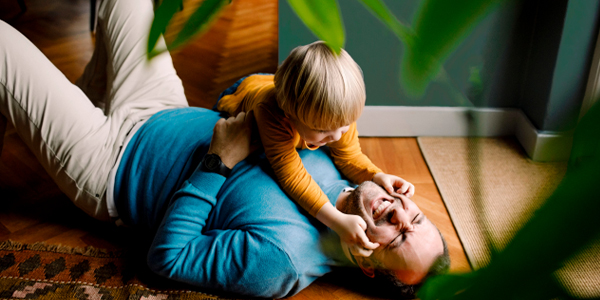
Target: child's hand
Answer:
pixel 351 229
pixel 394 184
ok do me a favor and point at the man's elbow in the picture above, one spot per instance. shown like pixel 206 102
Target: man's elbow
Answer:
pixel 160 262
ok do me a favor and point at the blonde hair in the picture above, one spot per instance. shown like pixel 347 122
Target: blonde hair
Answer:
pixel 319 88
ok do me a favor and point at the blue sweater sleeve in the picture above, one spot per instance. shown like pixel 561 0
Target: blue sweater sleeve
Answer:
pixel 233 260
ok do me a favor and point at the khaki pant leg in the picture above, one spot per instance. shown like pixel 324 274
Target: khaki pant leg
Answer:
pixel 55 119
pixel 136 87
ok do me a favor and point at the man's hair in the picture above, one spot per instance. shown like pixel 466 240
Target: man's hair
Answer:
pixel 387 279
pixel 319 88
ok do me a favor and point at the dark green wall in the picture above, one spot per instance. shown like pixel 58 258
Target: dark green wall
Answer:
pixel 573 62
pixel 379 52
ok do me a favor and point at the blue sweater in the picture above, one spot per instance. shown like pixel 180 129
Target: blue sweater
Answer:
pixel 240 235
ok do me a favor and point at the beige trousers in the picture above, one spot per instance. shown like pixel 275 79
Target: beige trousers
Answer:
pixel 77 131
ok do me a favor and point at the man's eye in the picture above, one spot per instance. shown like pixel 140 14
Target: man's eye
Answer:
pixel 394 242
pixel 399 239
pixel 415 218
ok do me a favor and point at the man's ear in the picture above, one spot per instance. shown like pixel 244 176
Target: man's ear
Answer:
pixel 365 265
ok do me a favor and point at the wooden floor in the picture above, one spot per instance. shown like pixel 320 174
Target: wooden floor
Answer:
pixel 243 40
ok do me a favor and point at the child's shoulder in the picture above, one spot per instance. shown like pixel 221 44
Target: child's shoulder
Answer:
pixel 260 79
pixel 269 103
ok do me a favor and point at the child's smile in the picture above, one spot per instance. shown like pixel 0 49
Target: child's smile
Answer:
pixel 318 137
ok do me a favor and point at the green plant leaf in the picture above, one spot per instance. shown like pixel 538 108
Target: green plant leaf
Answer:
pixel 323 18
pixel 199 21
pixel 445 286
pixel 439 26
pixel 163 14
pixel 383 13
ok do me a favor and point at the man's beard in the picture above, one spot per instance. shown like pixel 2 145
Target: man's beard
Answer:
pixel 354 204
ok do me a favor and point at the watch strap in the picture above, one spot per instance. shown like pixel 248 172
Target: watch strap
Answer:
pixel 212 163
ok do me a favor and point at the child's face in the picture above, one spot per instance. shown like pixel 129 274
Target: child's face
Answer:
pixel 318 137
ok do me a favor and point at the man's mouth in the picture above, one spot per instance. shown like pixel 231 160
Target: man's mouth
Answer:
pixel 380 208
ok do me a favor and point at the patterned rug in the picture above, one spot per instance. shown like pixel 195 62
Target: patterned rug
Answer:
pixel 40 271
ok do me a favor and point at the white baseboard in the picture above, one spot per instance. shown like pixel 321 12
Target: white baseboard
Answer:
pixel 405 121
pixel 543 145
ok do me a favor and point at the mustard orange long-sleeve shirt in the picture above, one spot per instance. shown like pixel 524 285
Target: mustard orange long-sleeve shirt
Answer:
pixel 280 140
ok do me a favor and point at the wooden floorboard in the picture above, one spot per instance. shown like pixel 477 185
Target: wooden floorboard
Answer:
pixel 242 40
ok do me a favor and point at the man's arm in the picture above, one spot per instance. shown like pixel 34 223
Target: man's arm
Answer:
pixel 239 261
pixel 233 260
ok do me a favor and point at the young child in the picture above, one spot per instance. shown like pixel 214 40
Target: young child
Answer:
pixel 313 100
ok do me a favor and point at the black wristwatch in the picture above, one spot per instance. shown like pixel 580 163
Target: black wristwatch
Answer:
pixel 212 163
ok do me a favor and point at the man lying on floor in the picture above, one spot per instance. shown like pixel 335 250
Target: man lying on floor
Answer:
pixel 241 233
pixel 123 144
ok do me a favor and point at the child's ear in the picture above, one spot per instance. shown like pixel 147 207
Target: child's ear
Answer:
pixel 365 265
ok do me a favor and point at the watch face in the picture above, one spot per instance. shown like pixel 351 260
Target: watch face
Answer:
pixel 211 162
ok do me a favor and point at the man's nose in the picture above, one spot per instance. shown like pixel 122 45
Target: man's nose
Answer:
pixel 400 218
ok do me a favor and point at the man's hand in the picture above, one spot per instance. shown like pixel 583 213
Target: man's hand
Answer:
pixel 394 184
pixel 232 139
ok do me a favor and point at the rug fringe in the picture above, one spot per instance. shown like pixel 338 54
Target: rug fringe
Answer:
pixel 42 246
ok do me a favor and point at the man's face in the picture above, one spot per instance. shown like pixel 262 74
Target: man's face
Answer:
pixel 409 242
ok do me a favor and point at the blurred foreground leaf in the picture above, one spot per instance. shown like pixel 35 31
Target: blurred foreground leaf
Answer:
pixel 199 21
pixel 163 14
pixel 565 224
pixel 323 18
pixel 439 26
pixel 384 14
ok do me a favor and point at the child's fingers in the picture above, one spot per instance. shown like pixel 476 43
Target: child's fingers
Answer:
pixel 404 188
pixel 363 225
pixel 366 243
pixel 388 187
pixel 395 195
pixel 357 250
pixel 411 191
pixel 408 189
pixel 369 245
pixel 366 249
